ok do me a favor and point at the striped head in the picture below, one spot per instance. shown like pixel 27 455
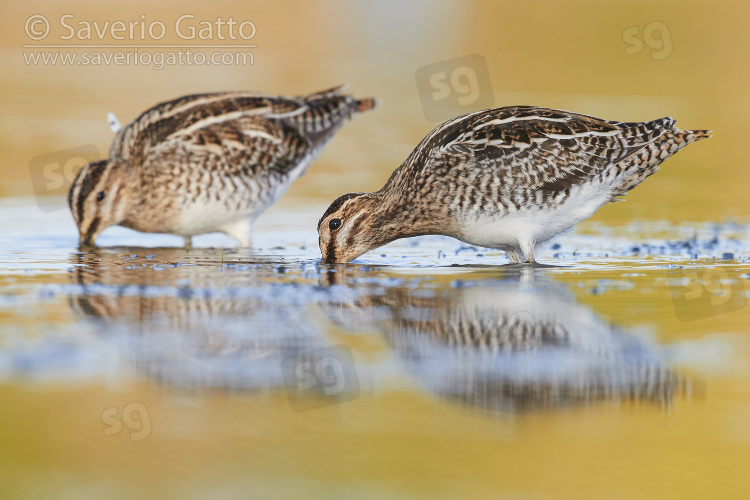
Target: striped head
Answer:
pixel 354 224
pixel 97 199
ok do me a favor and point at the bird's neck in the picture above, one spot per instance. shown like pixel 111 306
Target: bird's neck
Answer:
pixel 395 217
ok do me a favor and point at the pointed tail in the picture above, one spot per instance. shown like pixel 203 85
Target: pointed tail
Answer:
pixel 690 136
pixel 327 93
pixel 367 104
pixel 363 105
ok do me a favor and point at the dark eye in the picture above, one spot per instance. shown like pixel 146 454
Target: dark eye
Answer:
pixel 334 224
pixel 100 195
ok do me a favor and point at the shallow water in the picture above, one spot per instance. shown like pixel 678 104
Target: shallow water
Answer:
pixel 428 368
pixel 425 368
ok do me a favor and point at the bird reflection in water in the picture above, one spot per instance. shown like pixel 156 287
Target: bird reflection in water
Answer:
pixel 186 320
pixel 509 340
pixel 512 342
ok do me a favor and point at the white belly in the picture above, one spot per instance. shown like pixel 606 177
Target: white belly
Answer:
pixel 209 217
pixel 533 224
pixel 239 203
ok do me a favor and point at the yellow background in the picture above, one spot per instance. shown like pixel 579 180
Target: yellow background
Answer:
pixel 568 55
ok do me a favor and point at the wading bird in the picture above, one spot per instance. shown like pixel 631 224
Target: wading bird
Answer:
pixel 506 178
pixel 206 162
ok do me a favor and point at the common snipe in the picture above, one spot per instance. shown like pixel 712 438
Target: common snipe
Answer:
pixel 207 162
pixel 506 178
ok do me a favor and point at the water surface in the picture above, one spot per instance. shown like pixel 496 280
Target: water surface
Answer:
pixel 425 368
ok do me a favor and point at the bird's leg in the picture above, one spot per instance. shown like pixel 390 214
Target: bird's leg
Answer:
pixel 527 247
pixel 188 242
pixel 514 254
pixel 241 230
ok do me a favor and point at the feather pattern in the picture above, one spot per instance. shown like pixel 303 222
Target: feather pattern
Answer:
pixel 215 161
pixel 509 178
pixel 512 154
